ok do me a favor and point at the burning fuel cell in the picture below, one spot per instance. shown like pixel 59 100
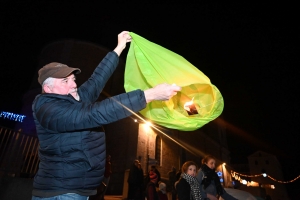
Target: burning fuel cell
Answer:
pixel 190 107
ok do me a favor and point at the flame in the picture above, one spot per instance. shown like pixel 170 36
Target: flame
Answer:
pixel 190 107
pixel 188 104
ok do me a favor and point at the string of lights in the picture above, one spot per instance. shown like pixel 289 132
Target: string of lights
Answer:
pixel 284 181
pixel 12 116
pixel 237 175
pixel 244 175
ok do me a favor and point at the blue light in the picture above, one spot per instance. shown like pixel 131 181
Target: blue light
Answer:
pixel 221 180
pixel 12 116
pixel 219 173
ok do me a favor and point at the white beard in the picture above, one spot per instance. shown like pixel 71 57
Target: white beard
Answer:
pixel 75 95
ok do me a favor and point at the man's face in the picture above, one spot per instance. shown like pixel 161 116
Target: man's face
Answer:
pixel 63 86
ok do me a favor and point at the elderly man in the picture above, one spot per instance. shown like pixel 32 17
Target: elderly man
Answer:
pixel 72 154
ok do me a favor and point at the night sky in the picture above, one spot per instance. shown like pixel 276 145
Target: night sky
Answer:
pixel 248 50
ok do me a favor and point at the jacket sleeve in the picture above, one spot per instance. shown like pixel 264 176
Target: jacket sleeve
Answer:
pixel 183 190
pixel 199 177
pixel 90 90
pixel 65 116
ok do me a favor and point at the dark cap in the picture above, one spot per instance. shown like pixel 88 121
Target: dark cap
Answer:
pixel 56 70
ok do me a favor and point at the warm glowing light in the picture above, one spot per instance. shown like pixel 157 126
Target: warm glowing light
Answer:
pixel 148 124
pixel 135 120
pixel 224 164
pixel 190 107
pixel 146 128
pixel 254 184
pixel 273 187
pixel 264 175
pixel 244 182
pixel 188 104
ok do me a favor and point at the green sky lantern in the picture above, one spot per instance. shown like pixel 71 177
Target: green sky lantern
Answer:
pixel 149 64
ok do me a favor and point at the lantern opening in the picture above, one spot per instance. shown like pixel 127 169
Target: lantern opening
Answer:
pixel 190 107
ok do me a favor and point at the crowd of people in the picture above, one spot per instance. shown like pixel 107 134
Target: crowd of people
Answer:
pixel 202 184
pixel 189 183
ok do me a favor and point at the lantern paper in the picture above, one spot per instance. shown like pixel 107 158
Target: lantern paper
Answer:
pixel 149 64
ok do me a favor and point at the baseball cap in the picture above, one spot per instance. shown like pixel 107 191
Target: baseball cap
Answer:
pixel 55 70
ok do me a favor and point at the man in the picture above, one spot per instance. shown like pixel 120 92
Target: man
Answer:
pixel 72 154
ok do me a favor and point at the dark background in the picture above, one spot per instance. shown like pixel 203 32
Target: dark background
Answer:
pixel 249 50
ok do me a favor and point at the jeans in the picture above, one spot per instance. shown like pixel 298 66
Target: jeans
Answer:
pixel 68 196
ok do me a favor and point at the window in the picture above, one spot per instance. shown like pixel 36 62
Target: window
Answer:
pixel 158 149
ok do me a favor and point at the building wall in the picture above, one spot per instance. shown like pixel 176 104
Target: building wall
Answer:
pixel 260 162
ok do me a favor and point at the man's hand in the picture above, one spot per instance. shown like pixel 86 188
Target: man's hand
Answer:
pixel 161 92
pixel 123 38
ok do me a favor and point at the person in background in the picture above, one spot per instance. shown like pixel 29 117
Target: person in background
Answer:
pixel 162 191
pixel 210 185
pixel 178 174
pixel 188 187
pixel 151 193
pixel 141 194
pixel 71 149
pixel 133 181
pixel 154 169
pixel 172 180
